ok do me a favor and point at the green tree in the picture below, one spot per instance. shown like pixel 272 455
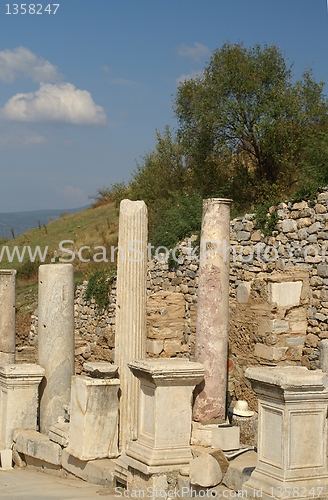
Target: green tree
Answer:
pixel 246 124
pixel 163 171
pixel 164 181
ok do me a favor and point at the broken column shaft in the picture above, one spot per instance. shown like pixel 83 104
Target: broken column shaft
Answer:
pixel 55 340
pixel 130 337
pixel 7 316
pixel 211 347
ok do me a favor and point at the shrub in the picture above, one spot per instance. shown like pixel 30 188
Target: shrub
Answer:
pixel 99 286
pixel 176 219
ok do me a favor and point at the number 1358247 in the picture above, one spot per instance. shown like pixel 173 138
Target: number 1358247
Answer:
pixel 32 8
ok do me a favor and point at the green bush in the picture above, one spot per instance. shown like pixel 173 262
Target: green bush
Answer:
pixel 28 270
pixel 267 221
pixel 176 219
pixel 99 286
pixel 113 194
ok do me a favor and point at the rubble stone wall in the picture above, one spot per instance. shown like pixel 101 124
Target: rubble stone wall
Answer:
pixel 278 297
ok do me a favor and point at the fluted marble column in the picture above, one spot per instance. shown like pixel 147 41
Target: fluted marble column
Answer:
pixel 55 340
pixel 130 337
pixel 213 311
pixel 7 316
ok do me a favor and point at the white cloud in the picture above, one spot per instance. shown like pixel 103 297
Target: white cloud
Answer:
pixel 60 102
pixel 189 76
pixel 21 62
pixel 198 52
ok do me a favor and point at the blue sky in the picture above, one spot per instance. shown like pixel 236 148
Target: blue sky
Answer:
pixel 83 91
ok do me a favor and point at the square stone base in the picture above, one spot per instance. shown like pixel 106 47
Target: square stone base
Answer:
pixel 151 460
pixel 268 488
pixel 163 485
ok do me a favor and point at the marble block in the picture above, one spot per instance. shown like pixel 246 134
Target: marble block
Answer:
pixel 201 434
pixel 292 432
pixel 163 441
pixel 100 369
pixel 58 433
pixel 36 445
pixel 226 437
pixel 6 459
pixel 93 427
pixel 287 294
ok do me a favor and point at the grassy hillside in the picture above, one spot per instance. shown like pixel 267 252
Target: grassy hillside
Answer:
pixel 93 227
pixel 62 240
pixel 13 224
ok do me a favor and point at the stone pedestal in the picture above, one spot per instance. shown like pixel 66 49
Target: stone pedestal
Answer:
pixel 130 337
pixel 18 401
pixel 55 340
pixel 93 427
pixel 211 348
pixel 163 442
pixel 292 440
pixel 7 316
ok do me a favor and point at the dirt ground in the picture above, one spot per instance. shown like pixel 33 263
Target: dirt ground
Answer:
pixel 23 323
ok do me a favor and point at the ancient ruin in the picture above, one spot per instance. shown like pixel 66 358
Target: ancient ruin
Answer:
pixel 212 311
pixel 7 316
pixel 130 340
pixel 138 422
pixel 55 341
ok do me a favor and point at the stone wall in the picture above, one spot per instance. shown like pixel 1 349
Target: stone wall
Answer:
pixel 278 298
pixel 171 315
pixel 278 290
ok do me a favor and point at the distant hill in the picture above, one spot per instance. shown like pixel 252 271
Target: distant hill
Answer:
pixel 20 222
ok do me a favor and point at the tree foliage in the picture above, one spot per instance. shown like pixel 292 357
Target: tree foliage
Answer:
pixel 247 117
pixel 177 218
pixel 163 170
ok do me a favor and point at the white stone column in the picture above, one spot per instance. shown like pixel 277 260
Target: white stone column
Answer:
pixel 292 433
pixel 7 316
pixel 211 347
pixel 130 336
pixel 55 340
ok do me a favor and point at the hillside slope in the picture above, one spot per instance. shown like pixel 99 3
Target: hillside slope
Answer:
pixel 16 223
pixel 68 237
pixel 62 240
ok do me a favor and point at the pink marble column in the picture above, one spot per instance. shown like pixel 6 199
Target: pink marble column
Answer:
pixel 213 311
